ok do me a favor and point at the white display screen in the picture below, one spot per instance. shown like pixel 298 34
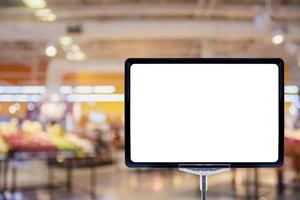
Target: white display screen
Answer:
pixel 204 113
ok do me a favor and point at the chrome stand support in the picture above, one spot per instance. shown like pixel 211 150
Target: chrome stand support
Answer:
pixel 203 173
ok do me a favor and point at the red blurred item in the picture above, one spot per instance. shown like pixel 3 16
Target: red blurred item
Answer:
pixel 29 142
pixel 291 146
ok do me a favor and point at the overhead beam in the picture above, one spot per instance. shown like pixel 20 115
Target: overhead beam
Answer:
pixel 230 11
pixel 146 29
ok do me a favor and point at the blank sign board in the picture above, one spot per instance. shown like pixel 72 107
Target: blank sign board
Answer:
pixel 204 111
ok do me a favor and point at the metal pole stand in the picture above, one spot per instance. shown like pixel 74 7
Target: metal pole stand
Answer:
pixel 203 173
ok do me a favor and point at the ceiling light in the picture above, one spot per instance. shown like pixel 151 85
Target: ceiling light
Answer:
pixel 66 40
pixel 66 89
pixel 12 109
pixel 104 89
pixel 19 98
pixel 278 36
pixel 10 89
pixel 22 89
pixel 42 12
pixel 33 89
pixel 51 51
pixel 291 89
pixel 277 39
pixel 45 14
pixel 291 98
pixel 75 48
pixel 95 98
pixel 34 4
pixel 49 17
pixel 83 89
pixel 76 56
pixel 298 63
pixel 80 56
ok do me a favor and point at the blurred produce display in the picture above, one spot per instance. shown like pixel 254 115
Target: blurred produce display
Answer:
pixel 29 142
pixel 9 127
pixel 292 134
pixel 3 146
pixel 84 145
pixel 62 143
pixel 30 137
pixel 31 127
pixel 292 142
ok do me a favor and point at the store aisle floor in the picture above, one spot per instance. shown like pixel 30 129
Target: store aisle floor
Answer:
pixel 120 183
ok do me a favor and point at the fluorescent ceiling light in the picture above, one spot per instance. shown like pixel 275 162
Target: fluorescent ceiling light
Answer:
pixel 35 4
pixel 22 89
pixel 39 89
pixel 33 89
pixel 42 12
pixel 95 98
pixel 19 98
pixel 104 89
pixel 49 18
pixel 83 89
pixel 291 98
pixel 291 89
pixel 66 89
pixel 10 89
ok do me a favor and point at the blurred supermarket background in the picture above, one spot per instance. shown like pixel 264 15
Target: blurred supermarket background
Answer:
pixel 62 92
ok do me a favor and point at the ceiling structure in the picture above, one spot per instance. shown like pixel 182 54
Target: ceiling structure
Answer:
pixel 109 31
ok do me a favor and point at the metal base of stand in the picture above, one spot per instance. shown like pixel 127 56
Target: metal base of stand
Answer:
pixel 203 173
